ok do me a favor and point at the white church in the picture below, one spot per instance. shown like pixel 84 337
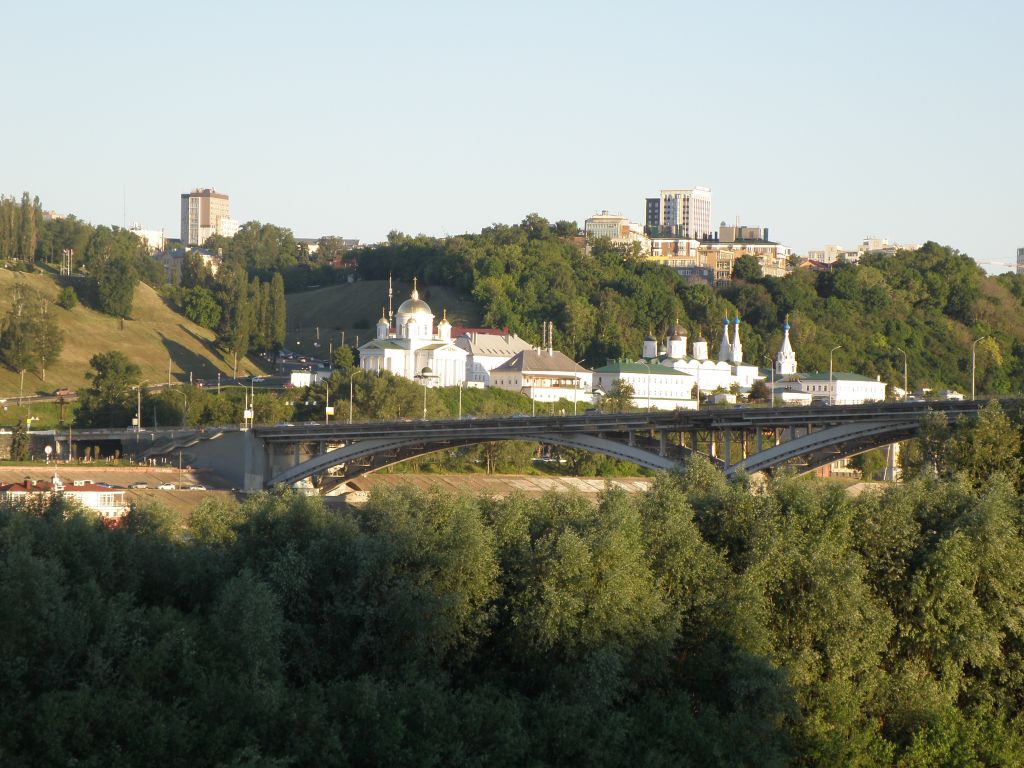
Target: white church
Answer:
pixel 412 345
pixel 708 374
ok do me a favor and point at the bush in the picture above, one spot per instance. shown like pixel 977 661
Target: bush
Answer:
pixel 67 298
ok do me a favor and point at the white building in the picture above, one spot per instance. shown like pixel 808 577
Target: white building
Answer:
pixel 413 344
pixel 153 239
pixel 616 228
pixel 709 375
pixel 832 253
pixel 106 502
pixel 680 213
pixel 655 386
pixel 545 375
pixel 308 377
pixel 486 351
pixel 841 388
pixel 837 388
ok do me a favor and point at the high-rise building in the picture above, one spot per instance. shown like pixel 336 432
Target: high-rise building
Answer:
pixel 680 213
pixel 1020 261
pixel 205 212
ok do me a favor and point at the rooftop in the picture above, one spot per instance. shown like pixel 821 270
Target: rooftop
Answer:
pixel 534 360
pixel 628 366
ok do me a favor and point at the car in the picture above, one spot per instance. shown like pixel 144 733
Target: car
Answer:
pixel 196 488
pixel 167 487
pixel 64 392
pixel 139 485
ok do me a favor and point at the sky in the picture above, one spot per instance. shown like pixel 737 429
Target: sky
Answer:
pixel 823 121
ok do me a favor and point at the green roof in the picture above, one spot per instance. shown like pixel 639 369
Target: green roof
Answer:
pixel 628 366
pixel 836 376
pixel 383 344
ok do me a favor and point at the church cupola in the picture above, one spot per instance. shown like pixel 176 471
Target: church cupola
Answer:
pixel 383 326
pixel 677 342
pixel 785 361
pixel 414 318
pixel 444 328
pixel 700 347
pixel 725 348
pixel 737 347
pixel 650 347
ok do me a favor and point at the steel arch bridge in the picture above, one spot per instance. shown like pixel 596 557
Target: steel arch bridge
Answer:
pixel 747 439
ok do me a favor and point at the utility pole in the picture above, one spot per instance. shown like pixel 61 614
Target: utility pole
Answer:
pixel 974 349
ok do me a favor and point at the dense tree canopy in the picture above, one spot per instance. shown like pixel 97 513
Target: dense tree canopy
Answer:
pixel 695 624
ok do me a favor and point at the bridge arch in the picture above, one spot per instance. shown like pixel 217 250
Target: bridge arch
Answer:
pixel 375 447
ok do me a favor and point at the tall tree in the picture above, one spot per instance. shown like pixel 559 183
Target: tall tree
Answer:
pixel 116 279
pixel 235 328
pixel 276 315
pixel 27 229
pixel 109 401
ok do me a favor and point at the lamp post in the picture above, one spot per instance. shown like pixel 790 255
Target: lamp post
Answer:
pixel 184 408
pixel 425 376
pixel 831 394
pixel 771 372
pixel 905 393
pixel 974 350
pixel 138 404
pixel 327 402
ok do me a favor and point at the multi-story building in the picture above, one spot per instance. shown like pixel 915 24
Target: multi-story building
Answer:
pixel 679 213
pixel 486 351
pixel 545 375
pixel 205 212
pixel 1020 261
pixel 655 386
pixel 710 259
pixel 105 501
pixel 616 228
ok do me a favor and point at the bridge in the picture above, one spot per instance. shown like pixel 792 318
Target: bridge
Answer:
pixel 738 439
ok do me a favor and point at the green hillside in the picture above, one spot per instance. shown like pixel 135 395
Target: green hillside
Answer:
pixel 154 335
pixel 354 308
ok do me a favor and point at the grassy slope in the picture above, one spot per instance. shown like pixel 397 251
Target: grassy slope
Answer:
pixel 355 307
pixel 154 335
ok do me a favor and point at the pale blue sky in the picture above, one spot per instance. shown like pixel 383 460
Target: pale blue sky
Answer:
pixel 823 121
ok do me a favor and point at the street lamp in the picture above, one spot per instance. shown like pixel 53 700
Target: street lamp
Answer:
pixel 184 408
pixel 138 404
pixel 771 372
pixel 327 402
pixel 831 394
pixel 905 393
pixel 425 376
pixel 351 376
pixel 974 350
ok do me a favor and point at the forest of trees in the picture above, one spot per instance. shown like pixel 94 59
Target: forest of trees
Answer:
pixel 246 313
pixel 701 623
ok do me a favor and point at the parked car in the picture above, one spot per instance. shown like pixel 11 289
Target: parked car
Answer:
pixel 139 485
pixel 197 488
pixel 167 487
pixel 64 392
